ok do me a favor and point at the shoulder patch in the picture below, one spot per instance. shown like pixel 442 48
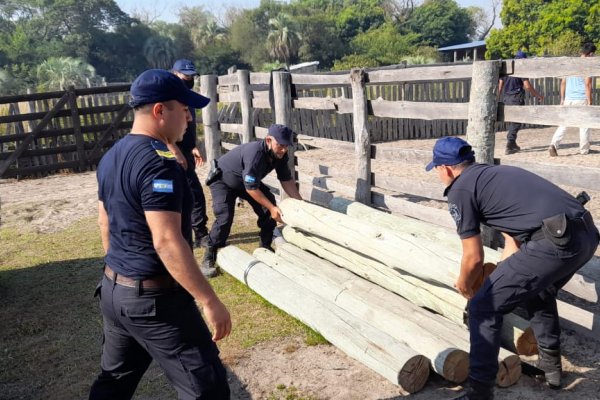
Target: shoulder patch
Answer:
pixel 249 179
pixel 162 150
pixel 455 213
pixel 162 186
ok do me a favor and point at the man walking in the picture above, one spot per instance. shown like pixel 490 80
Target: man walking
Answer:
pixel 575 91
pixel 548 237
pixel 188 155
pixel 514 95
pixel 151 280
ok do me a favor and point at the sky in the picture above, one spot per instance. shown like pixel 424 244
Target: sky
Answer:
pixel 167 10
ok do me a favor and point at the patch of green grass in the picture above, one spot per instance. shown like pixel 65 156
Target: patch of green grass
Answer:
pixel 283 392
pixel 51 326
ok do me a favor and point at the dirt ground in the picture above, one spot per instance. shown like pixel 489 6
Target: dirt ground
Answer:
pixel 51 204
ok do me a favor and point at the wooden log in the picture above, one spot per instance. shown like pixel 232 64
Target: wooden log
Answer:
pixel 516 334
pixel 362 140
pixel 389 357
pixel 210 118
pixel 380 306
pixel 339 286
pixel 584 283
pixel 282 95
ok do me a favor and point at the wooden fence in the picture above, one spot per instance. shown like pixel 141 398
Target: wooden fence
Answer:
pixel 66 130
pixel 351 95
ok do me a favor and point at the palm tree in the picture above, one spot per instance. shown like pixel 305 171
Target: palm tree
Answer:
pixel 208 33
pixel 62 72
pixel 159 51
pixel 283 40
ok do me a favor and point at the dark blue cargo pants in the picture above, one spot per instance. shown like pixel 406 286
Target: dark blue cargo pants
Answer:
pixel 160 324
pixel 223 200
pixel 531 278
pixel 517 99
pixel 199 218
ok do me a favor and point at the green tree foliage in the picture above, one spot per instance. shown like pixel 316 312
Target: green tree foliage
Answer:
pixel 58 73
pixel 544 27
pixel 384 44
pixel 359 16
pixel 441 23
pixel 283 40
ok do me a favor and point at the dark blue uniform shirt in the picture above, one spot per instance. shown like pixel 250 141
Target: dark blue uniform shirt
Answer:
pixel 140 174
pixel 512 85
pixel 505 198
pixel 246 165
pixel 188 143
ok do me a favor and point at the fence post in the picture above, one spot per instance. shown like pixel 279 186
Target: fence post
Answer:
pixel 483 109
pixel 481 127
pixel 245 105
pixel 282 96
pixel 76 123
pixel 210 117
pixel 362 140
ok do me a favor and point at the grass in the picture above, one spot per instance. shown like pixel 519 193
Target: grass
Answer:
pixel 51 327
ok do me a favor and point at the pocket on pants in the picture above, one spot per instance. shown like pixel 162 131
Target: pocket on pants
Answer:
pixel 200 370
pixel 139 308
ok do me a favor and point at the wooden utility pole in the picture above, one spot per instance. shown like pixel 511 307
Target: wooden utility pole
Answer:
pixel 210 117
pixel 362 139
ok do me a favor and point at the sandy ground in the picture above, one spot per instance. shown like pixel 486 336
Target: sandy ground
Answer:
pixel 53 203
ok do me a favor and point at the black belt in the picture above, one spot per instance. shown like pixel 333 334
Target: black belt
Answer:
pixel 157 282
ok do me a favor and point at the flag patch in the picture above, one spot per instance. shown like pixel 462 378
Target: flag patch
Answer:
pixel 249 179
pixel 162 186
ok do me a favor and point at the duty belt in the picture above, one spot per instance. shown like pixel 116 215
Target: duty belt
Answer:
pixel 156 282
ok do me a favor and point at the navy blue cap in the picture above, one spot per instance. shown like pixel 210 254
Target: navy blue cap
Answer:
pixel 450 151
pixel 157 85
pixel 520 54
pixel 282 134
pixel 186 67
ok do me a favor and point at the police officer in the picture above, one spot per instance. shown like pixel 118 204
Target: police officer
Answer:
pixel 514 94
pixel 242 171
pixel 188 155
pixel 548 237
pixel 151 281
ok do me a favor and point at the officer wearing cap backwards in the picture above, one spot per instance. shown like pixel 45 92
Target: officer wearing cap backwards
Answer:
pixel 151 281
pixel 243 169
pixel 548 237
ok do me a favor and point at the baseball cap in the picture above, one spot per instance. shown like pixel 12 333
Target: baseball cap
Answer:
pixel 520 54
pixel 282 134
pixel 156 85
pixel 450 151
pixel 186 67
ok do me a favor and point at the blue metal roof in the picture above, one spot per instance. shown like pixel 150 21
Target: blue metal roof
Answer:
pixel 463 46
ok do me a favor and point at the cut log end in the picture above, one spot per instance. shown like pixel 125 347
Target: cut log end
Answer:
pixel 509 371
pixel 526 345
pixel 414 374
pixel 456 366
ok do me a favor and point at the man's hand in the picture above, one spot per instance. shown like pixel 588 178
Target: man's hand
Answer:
pixel 276 214
pixel 197 157
pixel 218 319
pixel 463 288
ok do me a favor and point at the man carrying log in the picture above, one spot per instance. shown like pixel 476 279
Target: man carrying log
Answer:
pixel 548 237
pixel 239 173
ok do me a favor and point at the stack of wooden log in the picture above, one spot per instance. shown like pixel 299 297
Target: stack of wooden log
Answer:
pixel 379 287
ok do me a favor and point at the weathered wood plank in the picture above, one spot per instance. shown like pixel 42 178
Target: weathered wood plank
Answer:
pixel 554 67
pixel 320 79
pixel 577 116
pixel 445 72
pixel 338 104
pixel 362 138
pixel 419 110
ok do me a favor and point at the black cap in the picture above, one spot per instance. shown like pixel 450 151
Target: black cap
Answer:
pixel 282 134
pixel 156 85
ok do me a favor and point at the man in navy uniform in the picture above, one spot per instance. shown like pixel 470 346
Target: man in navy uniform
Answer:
pixel 188 155
pixel 151 280
pixel 242 171
pixel 548 236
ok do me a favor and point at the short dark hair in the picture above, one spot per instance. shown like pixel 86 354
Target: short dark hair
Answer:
pixel 588 48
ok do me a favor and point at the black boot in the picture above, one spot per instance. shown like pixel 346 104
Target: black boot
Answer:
pixel 511 148
pixel 549 362
pixel 477 390
pixel 208 263
pixel 200 238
